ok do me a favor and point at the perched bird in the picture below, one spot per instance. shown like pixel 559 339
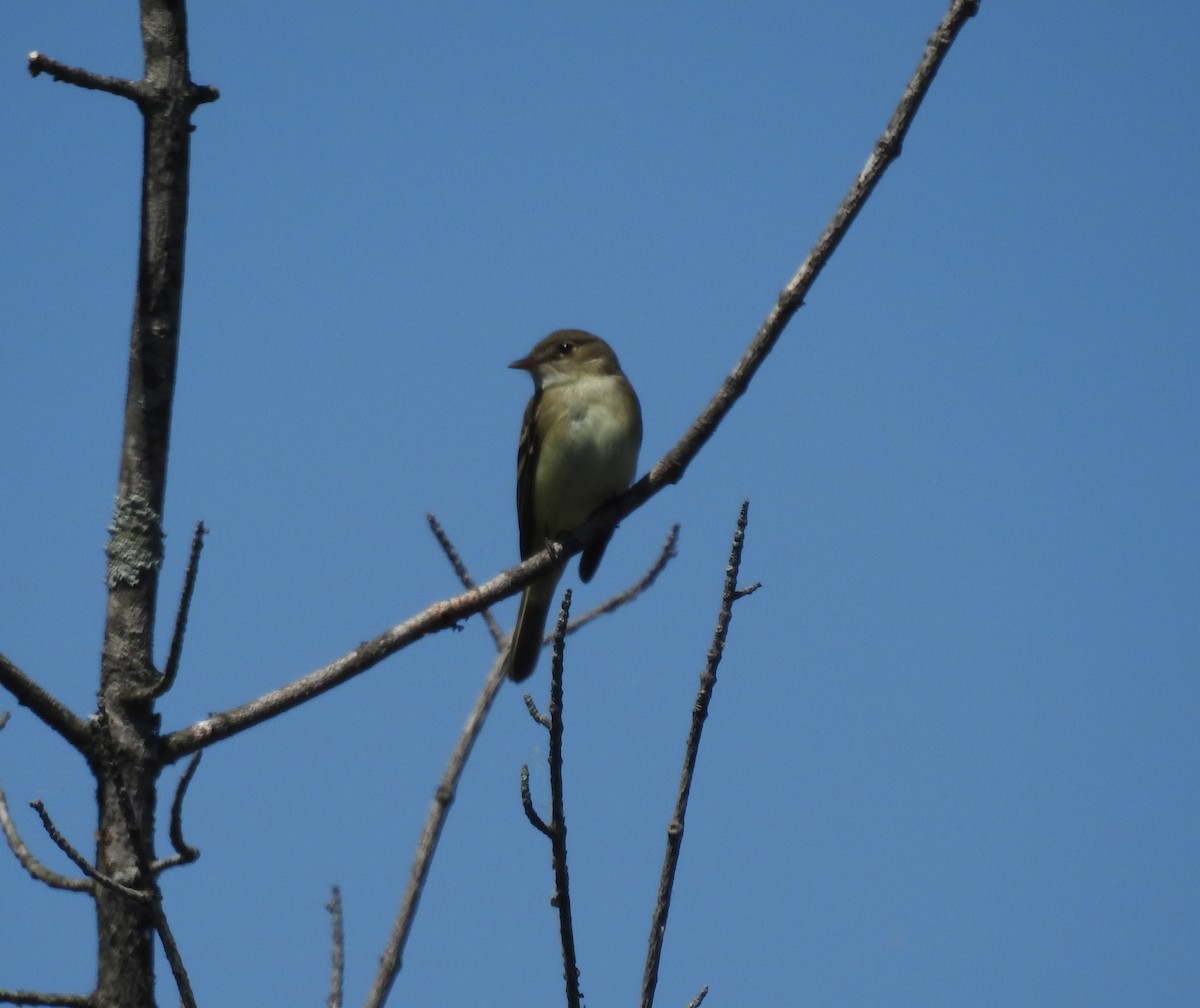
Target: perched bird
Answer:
pixel 579 448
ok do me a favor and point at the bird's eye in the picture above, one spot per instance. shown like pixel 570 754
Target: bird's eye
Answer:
pixel 565 348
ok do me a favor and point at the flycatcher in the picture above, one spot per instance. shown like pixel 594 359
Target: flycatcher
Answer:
pixel 579 448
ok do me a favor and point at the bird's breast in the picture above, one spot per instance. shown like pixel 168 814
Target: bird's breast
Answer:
pixel 590 456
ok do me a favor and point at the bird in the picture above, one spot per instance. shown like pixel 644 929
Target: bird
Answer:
pixel 578 449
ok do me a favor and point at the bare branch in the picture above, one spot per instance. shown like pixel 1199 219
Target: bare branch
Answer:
pixel 667 554
pixel 439 616
pixel 25 856
pixel 18 997
pixel 39 64
pixel 81 862
pixel 667 471
pixel 338 939
pixel 558 825
pixel 699 998
pixel 556 830
pixel 49 709
pixel 177 811
pixel 535 820
pixel 708 681
pixel 464 576
pixel 390 961
pixel 181 614
pixel 184 853
pixel 171 948
pixel 887 148
pixel 135 91
pixel 534 713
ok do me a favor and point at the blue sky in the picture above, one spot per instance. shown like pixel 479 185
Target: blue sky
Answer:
pixel 952 755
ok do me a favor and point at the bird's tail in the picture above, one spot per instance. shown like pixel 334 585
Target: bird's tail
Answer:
pixel 526 643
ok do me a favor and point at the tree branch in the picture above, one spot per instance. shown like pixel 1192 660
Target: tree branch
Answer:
pixel 708 681
pixel 175 652
pixel 27 859
pixel 52 712
pixel 667 554
pixel 39 64
pixel 666 471
pixel 18 997
pixel 81 862
pixel 439 616
pixel 184 853
pixel 464 576
pixel 557 828
pixel 24 855
pixel 887 149
pixel 135 91
pixel 338 939
pixel 126 783
pixel 390 961
pixel 535 820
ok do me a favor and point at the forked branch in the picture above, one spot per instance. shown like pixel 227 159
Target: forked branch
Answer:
pixel 622 598
pixel 668 470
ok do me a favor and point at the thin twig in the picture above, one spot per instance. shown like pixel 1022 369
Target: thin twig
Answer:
pixel 167 680
pixel 49 709
pixel 177 840
pixel 464 576
pixel 667 471
pixel 27 859
pixel 665 556
pixel 699 998
pixel 556 829
pixel 535 820
pixel 708 681
pixel 887 148
pixel 81 862
pixel 19 997
pixel 184 853
pixel 24 855
pixel 338 941
pixel 391 960
pixel 558 821
pixel 534 713
pixel 22 852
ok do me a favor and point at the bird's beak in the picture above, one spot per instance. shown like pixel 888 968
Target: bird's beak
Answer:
pixel 524 364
